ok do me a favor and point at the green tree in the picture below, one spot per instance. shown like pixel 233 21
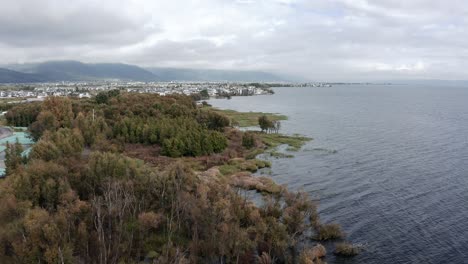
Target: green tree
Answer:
pixel 204 94
pixel 23 115
pixel 13 157
pixel 61 108
pixel 45 150
pixel 103 97
pixel 213 120
pixel 265 123
pixel 46 120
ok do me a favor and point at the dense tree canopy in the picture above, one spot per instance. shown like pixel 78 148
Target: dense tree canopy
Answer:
pixel 23 115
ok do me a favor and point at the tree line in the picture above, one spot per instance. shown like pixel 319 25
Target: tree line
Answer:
pixel 181 136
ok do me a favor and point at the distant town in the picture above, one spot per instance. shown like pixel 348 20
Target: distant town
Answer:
pixel 39 91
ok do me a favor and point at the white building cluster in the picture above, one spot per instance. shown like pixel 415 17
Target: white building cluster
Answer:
pixel 88 89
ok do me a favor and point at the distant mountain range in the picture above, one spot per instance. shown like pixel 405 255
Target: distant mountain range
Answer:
pixel 54 71
pixel 9 76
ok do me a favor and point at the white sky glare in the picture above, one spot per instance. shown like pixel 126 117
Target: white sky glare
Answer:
pixel 327 40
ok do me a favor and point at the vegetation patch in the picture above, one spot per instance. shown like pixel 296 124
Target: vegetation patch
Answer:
pixel 323 150
pixel 254 153
pixel 246 119
pixel 278 155
pixel 346 249
pixel 313 255
pixel 246 181
pixel 294 142
pixel 329 231
pixel 240 165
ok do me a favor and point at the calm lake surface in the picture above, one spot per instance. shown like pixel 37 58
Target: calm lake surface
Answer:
pixel 389 163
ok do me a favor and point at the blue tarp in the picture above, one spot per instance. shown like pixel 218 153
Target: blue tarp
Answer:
pixel 22 138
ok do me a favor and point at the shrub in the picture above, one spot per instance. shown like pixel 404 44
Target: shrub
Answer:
pixel 346 249
pixel 319 251
pixel 248 140
pixel 314 219
pixel 329 231
pixel 312 255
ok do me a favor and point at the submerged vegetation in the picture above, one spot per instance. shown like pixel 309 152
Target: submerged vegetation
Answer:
pixel 140 178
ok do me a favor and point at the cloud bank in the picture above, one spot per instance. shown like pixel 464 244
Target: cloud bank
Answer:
pixel 332 40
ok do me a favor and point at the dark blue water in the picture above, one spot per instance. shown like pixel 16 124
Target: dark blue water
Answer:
pixel 389 163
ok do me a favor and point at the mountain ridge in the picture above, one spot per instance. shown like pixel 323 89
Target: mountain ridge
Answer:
pixel 69 70
pixel 10 76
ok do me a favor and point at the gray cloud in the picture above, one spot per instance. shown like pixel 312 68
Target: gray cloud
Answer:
pixel 320 40
pixel 57 23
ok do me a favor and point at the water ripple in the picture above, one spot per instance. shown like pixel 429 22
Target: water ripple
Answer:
pixel 398 180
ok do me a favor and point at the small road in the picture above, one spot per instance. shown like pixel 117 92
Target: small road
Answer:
pixel 5 132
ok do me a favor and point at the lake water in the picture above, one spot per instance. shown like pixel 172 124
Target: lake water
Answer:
pixel 389 163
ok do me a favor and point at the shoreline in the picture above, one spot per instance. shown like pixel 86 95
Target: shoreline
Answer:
pixel 330 235
pixel 240 170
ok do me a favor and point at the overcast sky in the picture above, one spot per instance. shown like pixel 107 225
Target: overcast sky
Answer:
pixel 316 39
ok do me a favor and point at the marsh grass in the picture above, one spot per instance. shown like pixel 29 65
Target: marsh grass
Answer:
pixel 240 164
pixel 294 142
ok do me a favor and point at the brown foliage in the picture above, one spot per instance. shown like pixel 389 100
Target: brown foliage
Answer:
pixel 149 220
pixel 346 249
pixel 329 231
pixel 312 255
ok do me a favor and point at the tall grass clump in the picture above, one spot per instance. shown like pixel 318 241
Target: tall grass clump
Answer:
pixel 346 249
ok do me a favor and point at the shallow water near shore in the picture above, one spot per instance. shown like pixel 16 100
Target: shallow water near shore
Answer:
pixel 388 162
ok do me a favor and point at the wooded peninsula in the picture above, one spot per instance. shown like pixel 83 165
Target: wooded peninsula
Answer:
pixel 144 178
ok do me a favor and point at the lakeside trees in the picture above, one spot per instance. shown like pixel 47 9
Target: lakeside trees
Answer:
pixel 267 125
